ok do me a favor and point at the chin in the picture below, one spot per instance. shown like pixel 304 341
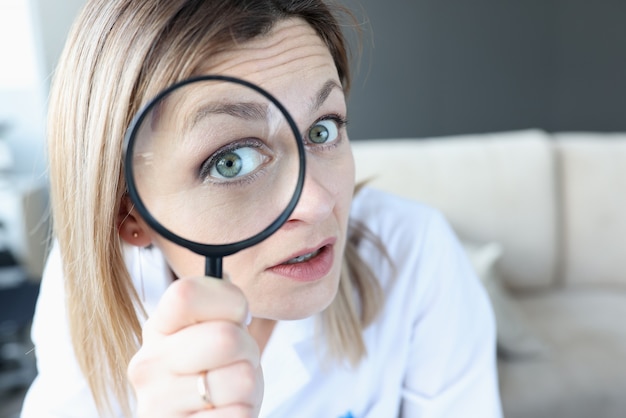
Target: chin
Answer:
pixel 300 304
pixel 306 311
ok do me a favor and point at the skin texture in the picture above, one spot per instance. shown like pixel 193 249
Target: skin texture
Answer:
pixel 199 324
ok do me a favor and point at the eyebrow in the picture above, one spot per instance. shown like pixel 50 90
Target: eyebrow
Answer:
pixel 243 110
pixel 323 94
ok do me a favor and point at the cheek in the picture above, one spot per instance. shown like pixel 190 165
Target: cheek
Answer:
pixel 350 170
pixel 345 178
pixel 243 266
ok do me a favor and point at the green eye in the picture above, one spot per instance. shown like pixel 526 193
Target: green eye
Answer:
pixel 229 165
pixel 323 131
pixel 234 163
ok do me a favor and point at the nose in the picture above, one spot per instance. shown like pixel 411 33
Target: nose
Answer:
pixel 318 197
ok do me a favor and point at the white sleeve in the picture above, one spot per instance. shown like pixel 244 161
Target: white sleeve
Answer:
pixel 451 370
pixel 59 390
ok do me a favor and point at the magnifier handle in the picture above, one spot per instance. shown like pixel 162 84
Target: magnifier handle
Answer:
pixel 213 267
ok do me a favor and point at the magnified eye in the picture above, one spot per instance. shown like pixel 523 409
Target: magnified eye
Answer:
pixel 228 165
pixel 233 163
pixel 324 131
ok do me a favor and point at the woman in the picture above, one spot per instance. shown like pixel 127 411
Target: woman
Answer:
pixel 359 308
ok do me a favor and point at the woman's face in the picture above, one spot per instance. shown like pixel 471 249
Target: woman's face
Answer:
pixel 295 272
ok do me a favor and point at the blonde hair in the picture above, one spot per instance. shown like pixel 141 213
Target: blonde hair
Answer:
pixel 119 54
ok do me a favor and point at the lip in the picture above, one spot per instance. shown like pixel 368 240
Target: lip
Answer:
pixel 310 270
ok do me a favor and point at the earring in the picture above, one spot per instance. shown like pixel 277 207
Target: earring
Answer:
pixel 135 234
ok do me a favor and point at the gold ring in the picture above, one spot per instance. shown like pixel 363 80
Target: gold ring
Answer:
pixel 203 390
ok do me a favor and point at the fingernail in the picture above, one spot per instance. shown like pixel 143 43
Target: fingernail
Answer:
pixel 248 318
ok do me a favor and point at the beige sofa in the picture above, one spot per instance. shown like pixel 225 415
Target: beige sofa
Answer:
pixel 543 218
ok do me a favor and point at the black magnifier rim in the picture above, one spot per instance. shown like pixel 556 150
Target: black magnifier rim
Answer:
pixel 209 250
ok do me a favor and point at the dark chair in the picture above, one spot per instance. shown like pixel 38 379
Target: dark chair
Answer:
pixel 18 296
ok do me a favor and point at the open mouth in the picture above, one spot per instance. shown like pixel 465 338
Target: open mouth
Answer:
pixel 305 257
pixel 310 266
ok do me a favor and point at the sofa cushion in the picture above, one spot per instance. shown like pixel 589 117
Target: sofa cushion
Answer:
pixel 492 187
pixel 593 175
pixel 515 338
pixel 583 373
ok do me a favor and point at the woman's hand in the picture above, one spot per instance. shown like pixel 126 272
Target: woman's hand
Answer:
pixel 198 327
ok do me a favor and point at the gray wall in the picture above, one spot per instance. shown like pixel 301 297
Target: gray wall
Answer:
pixel 442 67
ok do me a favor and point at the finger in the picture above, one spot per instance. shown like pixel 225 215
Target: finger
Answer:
pixel 178 395
pixel 236 384
pixel 193 300
pixel 172 401
pixel 207 346
pixel 151 381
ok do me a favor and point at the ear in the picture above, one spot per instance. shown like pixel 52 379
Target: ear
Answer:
pixel 132 229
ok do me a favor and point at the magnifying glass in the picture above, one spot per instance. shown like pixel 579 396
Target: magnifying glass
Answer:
pixel 214 164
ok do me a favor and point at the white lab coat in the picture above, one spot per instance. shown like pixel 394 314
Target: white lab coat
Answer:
pixel 431 353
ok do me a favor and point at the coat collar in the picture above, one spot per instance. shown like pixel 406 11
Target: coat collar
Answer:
pixel 289 361
pixel 150 274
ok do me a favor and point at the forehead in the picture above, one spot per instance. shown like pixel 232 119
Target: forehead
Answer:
pixel 292 50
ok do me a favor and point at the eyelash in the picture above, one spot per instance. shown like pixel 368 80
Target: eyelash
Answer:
pixel 203 172
pixel 341 122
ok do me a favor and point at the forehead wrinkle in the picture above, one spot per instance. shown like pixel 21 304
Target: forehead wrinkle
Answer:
pixel 271 46
pixel 282 58
pixel 295 65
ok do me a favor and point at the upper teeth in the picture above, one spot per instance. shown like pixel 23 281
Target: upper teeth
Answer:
pixel 302 258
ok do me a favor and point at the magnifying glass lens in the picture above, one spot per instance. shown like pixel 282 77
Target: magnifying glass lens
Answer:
pixel 214 162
